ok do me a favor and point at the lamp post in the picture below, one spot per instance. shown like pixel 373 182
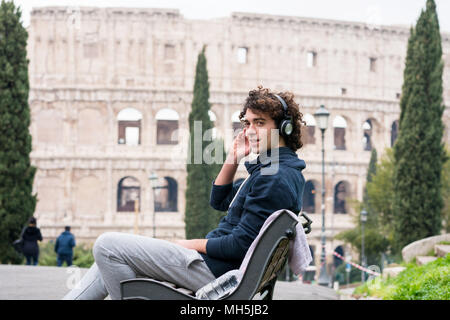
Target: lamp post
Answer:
pixel 154 183
pixel 321 117
pixel 363 257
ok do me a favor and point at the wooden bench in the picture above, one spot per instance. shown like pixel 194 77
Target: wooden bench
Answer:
pixel 267 260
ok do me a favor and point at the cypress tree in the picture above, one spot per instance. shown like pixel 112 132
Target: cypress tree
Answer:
pixel 419 150
pixel 200 217
pixel 17 203
pixel 371 171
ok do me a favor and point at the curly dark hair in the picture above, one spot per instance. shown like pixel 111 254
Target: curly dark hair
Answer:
pixel 263 100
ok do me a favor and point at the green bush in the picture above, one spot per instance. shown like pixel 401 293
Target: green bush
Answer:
pixel 427 282
pixel 82 255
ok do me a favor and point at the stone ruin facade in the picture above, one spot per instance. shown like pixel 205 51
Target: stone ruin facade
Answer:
pixel 111 91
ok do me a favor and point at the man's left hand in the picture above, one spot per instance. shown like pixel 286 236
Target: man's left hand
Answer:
pixel 196 244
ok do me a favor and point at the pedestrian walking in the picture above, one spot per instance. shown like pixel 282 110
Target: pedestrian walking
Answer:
pixel 64 247
pixel 31 236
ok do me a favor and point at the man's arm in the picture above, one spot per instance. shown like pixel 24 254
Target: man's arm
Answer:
pixel 267 196
pixel 196 244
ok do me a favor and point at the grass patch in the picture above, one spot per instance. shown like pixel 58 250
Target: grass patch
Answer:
pixel 82 255
pixel 427 282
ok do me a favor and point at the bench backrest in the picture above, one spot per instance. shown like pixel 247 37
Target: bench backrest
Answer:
pixel 267 259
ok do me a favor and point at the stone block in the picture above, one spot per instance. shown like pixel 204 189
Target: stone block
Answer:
pixel 392 271
pixel 421 260
pixel 441 250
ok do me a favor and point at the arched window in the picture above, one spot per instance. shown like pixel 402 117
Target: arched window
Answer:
pixel 128 194
pixel 236 123
pixel 166 195
pixel 339 125
pixel 167 126
pixel 394 132
pixel 341 193
pixel 129 121
pixel 309 197
pixel 309 129
pixel 336 261
pixel 367 138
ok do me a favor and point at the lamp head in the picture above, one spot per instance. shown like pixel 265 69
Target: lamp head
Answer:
pixel 321 117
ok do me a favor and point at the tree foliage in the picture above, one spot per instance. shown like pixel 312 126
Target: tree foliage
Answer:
pixel 17 203
pixel 200 217
pixel 419 151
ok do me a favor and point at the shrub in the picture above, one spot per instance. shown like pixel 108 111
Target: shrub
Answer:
pixel 82 255
pixel 427 282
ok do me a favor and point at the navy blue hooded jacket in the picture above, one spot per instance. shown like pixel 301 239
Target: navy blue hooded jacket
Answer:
pixel 64 243
pixel 271 186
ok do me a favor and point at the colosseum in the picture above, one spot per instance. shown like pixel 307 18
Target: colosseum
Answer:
pixel 111 92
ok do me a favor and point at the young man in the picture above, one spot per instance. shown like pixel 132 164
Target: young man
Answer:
pixel 193 263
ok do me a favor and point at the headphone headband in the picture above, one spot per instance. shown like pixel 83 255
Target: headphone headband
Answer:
pixel 285 107
pixel 285 125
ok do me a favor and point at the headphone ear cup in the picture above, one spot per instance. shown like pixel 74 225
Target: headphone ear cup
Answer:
pixel 286 127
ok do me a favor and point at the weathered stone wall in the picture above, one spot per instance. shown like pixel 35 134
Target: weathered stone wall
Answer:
pixel 88 64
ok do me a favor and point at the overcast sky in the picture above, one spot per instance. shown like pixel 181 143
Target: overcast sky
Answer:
pixel 387 12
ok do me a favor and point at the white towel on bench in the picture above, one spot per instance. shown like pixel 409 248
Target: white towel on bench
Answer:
pixel 299 255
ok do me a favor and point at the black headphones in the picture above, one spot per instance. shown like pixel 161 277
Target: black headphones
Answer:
pixel 285 124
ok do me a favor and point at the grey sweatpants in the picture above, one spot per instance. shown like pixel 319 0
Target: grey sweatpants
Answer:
pixel 121 256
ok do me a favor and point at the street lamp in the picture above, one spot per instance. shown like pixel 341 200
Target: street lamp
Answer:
pixel 154 183
pixel 363 257
pixel 321 117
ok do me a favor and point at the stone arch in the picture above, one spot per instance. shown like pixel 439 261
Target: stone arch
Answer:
pixel 128 191
pixel 367 135
pixel 336 261
pixel 236 122
pixel 339 130
pixel 129 121
pixel 166 195
pixel 371 133
pixel 309 129
pixel 341 194
pixel 310 198
pixel 167 124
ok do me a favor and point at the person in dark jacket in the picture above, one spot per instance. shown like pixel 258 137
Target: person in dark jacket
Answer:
pixel 272 130
pixel 31 236
pixel 275 179
pixel 64 247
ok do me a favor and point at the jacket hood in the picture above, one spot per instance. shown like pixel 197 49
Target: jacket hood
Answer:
pixel 285 157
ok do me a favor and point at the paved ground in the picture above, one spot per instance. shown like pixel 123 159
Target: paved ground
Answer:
pixel 52 283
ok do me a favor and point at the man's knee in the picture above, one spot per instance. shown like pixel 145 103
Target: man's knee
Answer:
pixel 104 242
